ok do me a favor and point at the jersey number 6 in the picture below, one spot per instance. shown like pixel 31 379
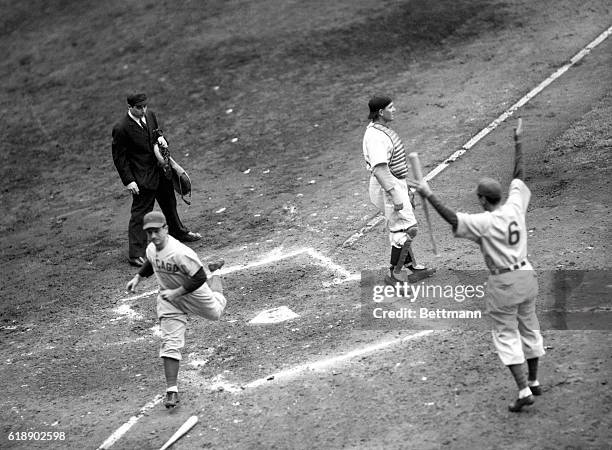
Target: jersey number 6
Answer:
pixel 513 233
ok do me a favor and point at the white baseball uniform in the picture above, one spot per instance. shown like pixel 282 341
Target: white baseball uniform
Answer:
pixel 382 145
pixel 173 265
pixel 512 285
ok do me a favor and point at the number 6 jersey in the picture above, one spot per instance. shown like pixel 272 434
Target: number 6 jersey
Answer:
pixel 501 234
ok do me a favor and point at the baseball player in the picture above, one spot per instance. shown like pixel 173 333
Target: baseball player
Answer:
pixel 512 286
pixel 385 158
pixel 185 288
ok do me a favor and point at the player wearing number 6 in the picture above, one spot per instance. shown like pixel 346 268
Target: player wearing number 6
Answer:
pixel 512 286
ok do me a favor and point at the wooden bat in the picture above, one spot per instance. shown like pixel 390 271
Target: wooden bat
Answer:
pixel 189 423
pixel 416 170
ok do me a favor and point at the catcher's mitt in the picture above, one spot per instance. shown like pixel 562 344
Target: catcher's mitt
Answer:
pixel 180 180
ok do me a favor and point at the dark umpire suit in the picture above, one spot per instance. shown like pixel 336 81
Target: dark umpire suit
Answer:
pixel 135 161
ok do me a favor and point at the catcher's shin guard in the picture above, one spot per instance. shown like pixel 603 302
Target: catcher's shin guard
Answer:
pixel 400 255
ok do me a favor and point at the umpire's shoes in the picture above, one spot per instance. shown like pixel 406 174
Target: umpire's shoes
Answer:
pixel 137 261
pixel 171 400
pixel 190 236
pixel 518 404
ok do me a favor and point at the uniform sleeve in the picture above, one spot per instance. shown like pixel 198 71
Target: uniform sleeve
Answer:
pixel 377 146
pixel 519 195
pixel 472 226
pixel 189 262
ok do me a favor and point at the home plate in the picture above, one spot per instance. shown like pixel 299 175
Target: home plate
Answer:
pixel 274 315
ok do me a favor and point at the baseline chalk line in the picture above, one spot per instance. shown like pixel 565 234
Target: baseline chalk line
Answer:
pixel 499 120
pixel 284 375
pixel 119 432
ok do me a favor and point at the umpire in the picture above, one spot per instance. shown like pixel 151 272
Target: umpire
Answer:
pixel 134 139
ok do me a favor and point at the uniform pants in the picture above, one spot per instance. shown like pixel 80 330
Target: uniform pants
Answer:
pixel 173 318
pixel 398 222
pixel 143 203
pixel 511 304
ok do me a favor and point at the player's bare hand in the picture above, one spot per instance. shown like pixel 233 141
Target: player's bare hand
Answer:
pixel 518 131
pixel 169 294
pixel 411 183
pixel 424 189
pixel 133 188
pixel 131 285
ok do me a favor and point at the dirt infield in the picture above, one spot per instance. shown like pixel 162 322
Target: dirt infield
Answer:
pixel 264 103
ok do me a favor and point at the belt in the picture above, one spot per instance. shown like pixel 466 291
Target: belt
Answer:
pixel 513 267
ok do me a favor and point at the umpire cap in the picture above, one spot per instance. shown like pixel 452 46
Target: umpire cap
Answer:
pixel 137 99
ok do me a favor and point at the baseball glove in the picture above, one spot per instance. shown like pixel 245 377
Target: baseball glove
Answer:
pixel 180 180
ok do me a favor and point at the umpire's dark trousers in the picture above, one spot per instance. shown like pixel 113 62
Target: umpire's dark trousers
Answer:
pixel 143 203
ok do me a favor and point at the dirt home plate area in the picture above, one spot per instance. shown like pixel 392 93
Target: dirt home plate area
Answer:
pixel 264 103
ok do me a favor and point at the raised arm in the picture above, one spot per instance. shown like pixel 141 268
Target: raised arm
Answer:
pixel 518 151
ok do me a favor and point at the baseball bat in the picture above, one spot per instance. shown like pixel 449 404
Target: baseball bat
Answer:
pixel 416 170
pixel 189 423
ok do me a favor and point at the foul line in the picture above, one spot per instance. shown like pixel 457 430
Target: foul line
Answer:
pixel 284 375
pixel 130 423
pixel 493 125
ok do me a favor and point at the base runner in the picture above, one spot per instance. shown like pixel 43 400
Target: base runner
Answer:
pixel 512 285
pixel 185 288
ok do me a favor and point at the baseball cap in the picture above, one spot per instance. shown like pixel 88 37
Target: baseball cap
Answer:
pixel 489 188
pixel 377 103
pixel 154 219
pixel 137 99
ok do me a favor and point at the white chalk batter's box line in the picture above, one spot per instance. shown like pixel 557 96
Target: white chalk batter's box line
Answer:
pixel 124 310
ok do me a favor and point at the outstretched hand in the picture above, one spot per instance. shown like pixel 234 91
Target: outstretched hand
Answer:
pixel 424 189
pixel 131 285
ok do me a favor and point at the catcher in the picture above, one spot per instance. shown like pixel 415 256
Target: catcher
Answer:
pixel 385 158
pixel 512 285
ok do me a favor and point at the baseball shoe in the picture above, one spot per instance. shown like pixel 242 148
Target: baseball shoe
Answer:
pixel 171 400
pixel 419 273
pixel 137 261
pixel 536 390
pixel 190 236
pixel 395 278
pixel 518 404
pixel 216 265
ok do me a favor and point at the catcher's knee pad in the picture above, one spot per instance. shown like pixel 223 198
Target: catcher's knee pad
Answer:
pixel 412 232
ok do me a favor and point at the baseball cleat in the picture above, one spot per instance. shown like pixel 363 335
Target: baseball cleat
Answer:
pixel 395 278
pixel 536 390
pixel 216 265
pixel 171 400
pixel 518 404
pixel 419 273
